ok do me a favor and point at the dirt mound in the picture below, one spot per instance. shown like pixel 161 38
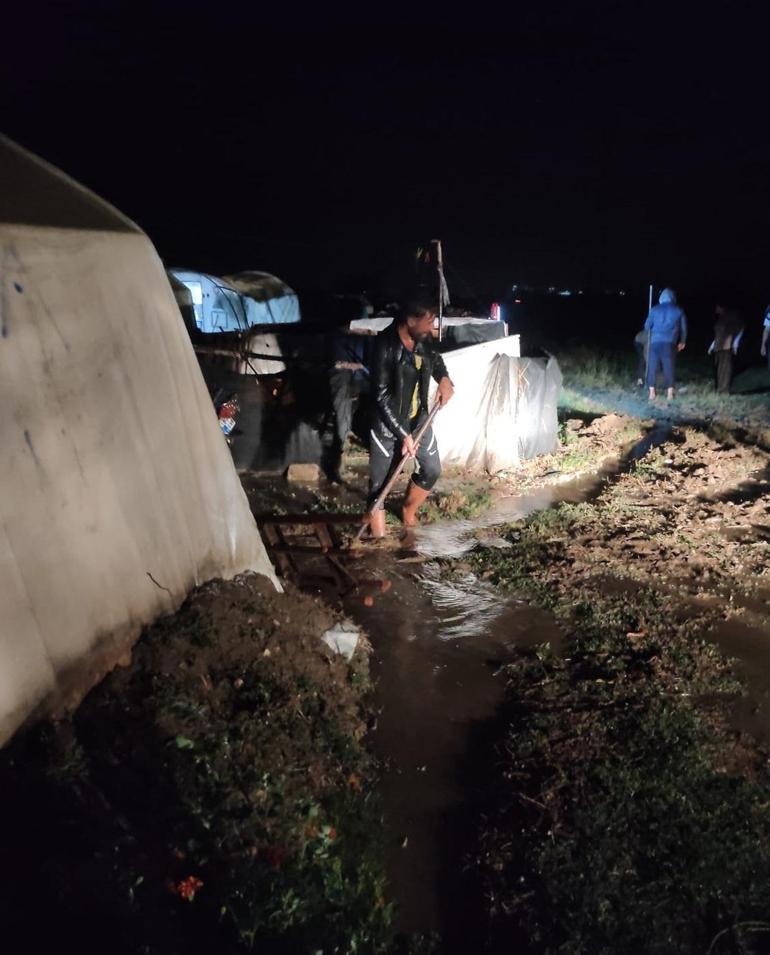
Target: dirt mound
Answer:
pixel 608 424
pixel 212 794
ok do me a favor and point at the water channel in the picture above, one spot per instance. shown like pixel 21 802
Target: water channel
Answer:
pixel 438 647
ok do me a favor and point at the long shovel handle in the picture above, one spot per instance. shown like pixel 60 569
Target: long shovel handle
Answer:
pixel 417 437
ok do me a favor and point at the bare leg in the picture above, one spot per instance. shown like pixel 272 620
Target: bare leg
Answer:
pixel 414 498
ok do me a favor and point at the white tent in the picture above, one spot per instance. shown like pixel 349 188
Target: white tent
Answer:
pixel 269 300
pixel 237 302
pixel 504 410
pixel 118 491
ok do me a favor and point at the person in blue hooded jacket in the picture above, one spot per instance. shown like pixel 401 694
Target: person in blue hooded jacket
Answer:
pixel 667 327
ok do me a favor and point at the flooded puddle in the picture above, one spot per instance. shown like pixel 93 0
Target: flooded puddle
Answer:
pixel 453 538
pixel 437 650
pixel 438 646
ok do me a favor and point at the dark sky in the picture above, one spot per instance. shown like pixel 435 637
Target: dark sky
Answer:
pixel 608 144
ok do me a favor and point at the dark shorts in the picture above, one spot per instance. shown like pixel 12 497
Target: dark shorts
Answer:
pixel 385 453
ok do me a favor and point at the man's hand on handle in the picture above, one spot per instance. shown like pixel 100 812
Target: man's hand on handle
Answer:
pixel 445 391
pixel 408 449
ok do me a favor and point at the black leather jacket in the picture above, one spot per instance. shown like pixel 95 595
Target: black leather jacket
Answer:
pixel 392 405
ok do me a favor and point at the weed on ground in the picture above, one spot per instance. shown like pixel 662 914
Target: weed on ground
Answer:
pixel 215 795
pixel 463 501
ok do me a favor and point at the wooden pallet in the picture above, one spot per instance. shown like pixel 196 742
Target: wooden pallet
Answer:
pixel 308 550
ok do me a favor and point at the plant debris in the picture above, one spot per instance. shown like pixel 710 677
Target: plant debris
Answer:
pixel 214 795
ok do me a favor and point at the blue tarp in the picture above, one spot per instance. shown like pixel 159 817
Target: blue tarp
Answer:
pixel 221 307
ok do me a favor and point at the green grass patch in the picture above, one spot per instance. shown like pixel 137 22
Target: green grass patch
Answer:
pixel 596 381
pixel 592 368
pixel 464 501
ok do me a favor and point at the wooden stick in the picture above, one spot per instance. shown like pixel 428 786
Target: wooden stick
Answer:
pixel 417 437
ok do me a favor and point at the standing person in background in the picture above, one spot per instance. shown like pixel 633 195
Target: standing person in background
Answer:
pixel 641 341
pixel 765 335
pixel 728 331
pixel 348 378
pixel 667 327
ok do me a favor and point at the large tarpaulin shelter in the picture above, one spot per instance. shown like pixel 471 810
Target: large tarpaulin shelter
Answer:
pixel 238 302
pixel 504 409
pixel 118 491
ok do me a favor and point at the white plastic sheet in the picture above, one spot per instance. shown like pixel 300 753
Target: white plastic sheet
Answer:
pixel 343 639
pixel 504 409
pixel 118 491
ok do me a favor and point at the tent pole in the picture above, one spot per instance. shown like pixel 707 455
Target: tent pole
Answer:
pixel 440 263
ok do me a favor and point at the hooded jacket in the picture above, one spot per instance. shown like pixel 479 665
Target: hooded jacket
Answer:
pixel 666 322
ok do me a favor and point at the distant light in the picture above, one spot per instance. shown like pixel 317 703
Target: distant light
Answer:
pixel 622 292
pixel 565 291
pixel 517 301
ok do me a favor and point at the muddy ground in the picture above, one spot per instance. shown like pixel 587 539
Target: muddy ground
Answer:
pixel 568 758
pixel 588 442
pixel 628 803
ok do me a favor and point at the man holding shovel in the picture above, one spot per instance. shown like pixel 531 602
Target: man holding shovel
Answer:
pixel 401 371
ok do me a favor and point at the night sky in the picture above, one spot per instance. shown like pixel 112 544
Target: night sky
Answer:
pixel 610 144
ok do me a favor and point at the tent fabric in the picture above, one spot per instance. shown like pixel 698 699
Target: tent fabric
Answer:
pixel 239 302
pixel 217 307
pixel 119 494
pixel 261 286
pixel 261 346
pixel 504 409
pixel 184 302
pixel 269 301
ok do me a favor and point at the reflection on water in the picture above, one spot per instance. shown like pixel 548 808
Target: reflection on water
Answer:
pixel 466 606
pixel 437 650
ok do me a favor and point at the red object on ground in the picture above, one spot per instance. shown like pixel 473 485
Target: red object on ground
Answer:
pixel 187 888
